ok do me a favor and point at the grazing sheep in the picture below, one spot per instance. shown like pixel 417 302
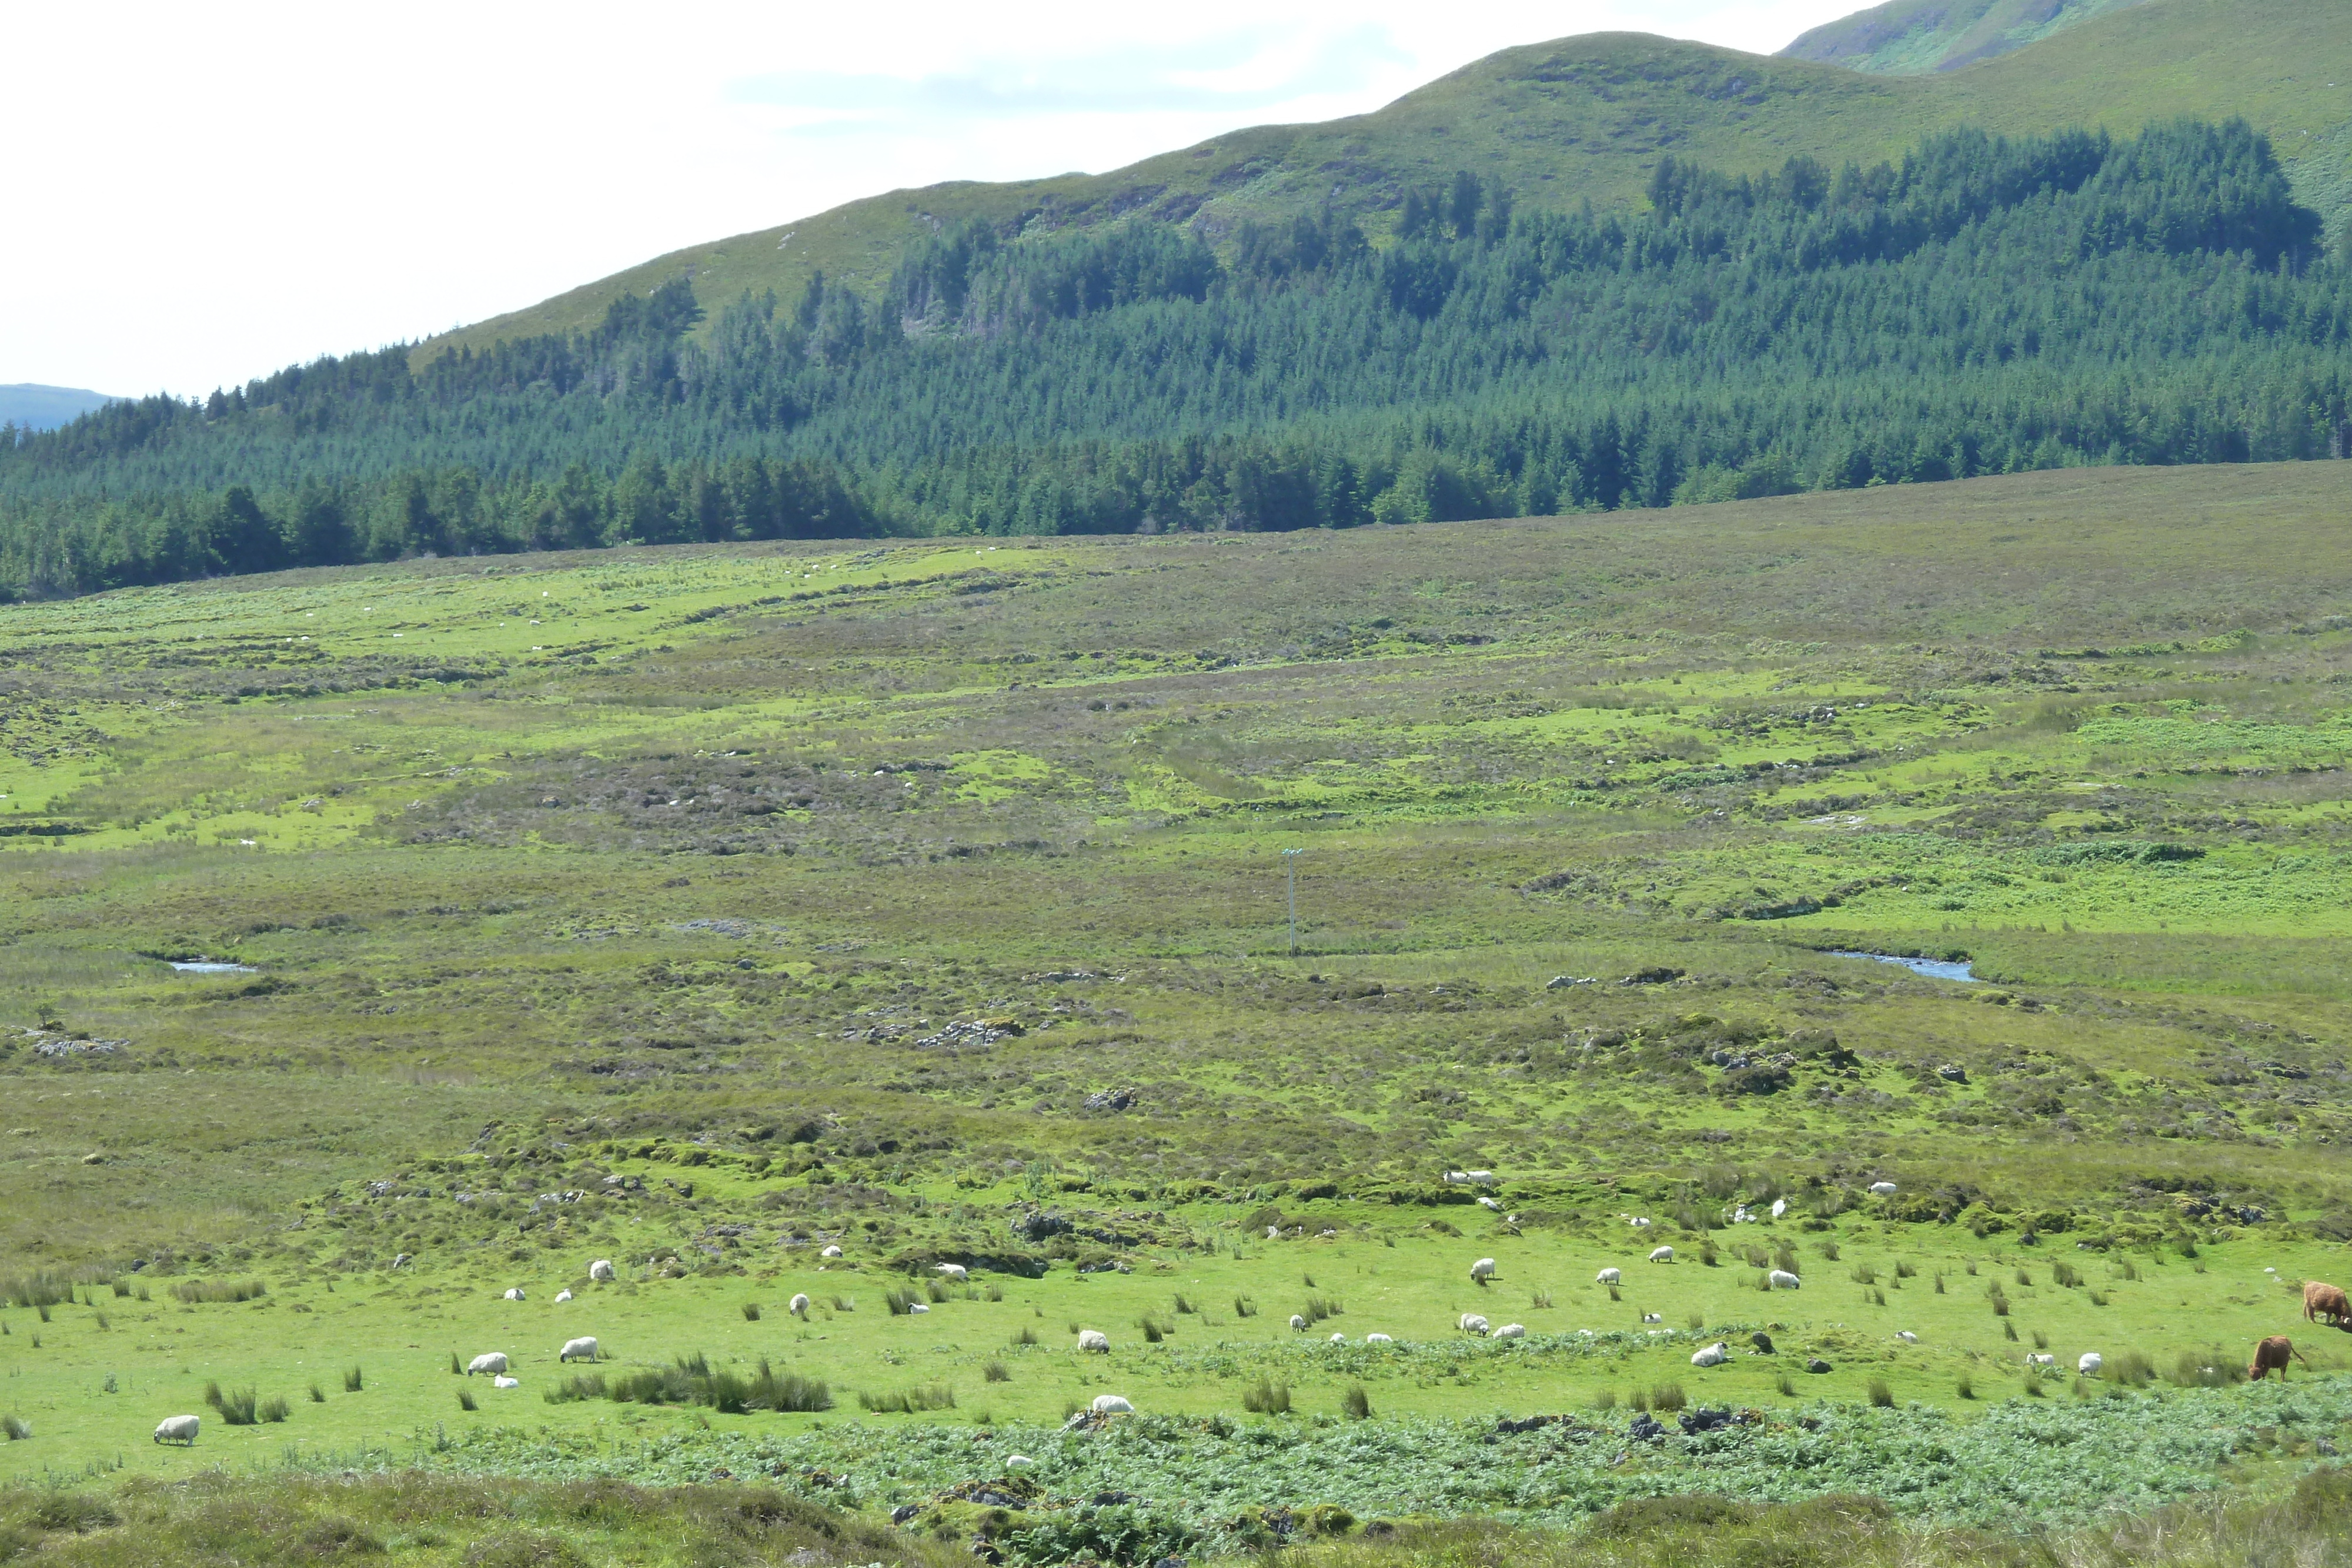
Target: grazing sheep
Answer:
pixel 1112 1404
pixel 600 1270
pixel 2089 1363
pixel 1017 1462
pixel 1640 1222
pixel 583 1349
pixel 955 1271
pixel 799 1307
pixel 515 1294
pixel 1482 1271
pixel 1339 1339
pixel 1378 1339
pixel 1094 1339
pixel 494 1364
pixel 2326 1302
pixel 1457 1176
pixel 1907 1336
pixel 830 1252
pixel 1662 1255
pixel 1780 1207
pixel 177 1429
pixel 1298 1323
pixel 919 1307
pixel 1781 1280
pixel 1610 1277
pixel 1714 1354
pixel 1654 1317
pixel 1512 1331
pixel 2271 1355
pixel 1273 1233
pixel 2033 1359
pixel 1483 1178
pixel 562 1297
pixel 1882 1189
pixel 1473 1323
pixel 403 1259
pixel 506 1382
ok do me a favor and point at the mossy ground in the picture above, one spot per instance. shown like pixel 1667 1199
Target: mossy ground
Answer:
pixel 703 867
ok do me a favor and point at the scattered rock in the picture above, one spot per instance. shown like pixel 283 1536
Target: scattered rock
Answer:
pixel 1817 1365
pixel 1112 1100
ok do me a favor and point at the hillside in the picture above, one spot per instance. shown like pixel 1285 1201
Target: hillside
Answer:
pixel 1908 37
pixel 28 405
pixel 1586 119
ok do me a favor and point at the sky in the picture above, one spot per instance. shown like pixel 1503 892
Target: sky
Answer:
pixel 202 195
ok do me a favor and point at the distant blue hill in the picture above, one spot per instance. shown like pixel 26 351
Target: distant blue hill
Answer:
pixel 45 408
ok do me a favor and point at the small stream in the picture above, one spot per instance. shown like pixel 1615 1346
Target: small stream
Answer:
pixel 1934 968
pixel 207 967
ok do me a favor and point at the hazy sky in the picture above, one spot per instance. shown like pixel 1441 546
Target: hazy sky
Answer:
pixel 201 193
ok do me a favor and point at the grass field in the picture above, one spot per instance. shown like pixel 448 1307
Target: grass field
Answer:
pixel 704 908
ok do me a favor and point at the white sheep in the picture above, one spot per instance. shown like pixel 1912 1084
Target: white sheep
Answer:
pixel 1486 1202
pixel 1018 1461
pixel 1639 1222
pixel 1882 1189
pixel 494 1364
pixel 919 1307
pixel 1094 1339
pixel 1780 1207
pixel 1512 1331
pixel 1482 1271
pixel 1781 1280
pixel 2089 1363
pixel 1661 1254
pixel 1610 1277
pixel 1483 1178
pixel 955 1271
pixel 830 1252
pixel 1273 1233
pixel 799 1307
pixel 1473 1323
pixel 1298 1323
pixel 1378 1339
pixel 515 1294
pixel 1714 1354
pixel 402 1260
pixel 1907 1336
pixel 1339 1339
pixel 1111 1405
pixel 1654 1317
pixel 562 1297
pixel 506 1382
pixel 2033 1359
pixel 600 1270
pixel 177 1429
pixel 1457 1176
pixel 581 1349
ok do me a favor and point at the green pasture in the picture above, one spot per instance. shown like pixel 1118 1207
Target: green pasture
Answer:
pixel 894 897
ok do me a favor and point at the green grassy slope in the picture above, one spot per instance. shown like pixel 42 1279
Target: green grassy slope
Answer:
pixel 1586 119
pixel 1908 37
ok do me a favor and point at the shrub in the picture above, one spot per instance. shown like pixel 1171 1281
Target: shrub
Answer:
pixel 457 1367
pixel 1880 1394
pixel 1905 1271
pixel 1863 1274
pixel 841 1303
pixel 898 1301
pixel 1267 1398
pixel 352 1382
pixel 1355 1403
pixel 1965 1389
pixel 465 1400
pixel 908 1401
pixel 1318 1308
pixel 580 1387
pixel 1541 1301
pixel 14 1426
pixel 271 1409
pixel 1183 1306
pixel 1786 1385
pixel 1605 1400
pixel 750 1311
pixel 1829 1250
pixel 236 1409
pixel 1668 1396
pixel 1244 1307
pixel 2131 1367
pixel 1026 1335
pixel 318 1395
pixel 996 1372
pixel 995 1290
pixel 2213 1369
pixel 2065 1275
pixel 193 1292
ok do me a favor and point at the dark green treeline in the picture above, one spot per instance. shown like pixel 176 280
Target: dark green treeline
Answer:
pixel 1983 306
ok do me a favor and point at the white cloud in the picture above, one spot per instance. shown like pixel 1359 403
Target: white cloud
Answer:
pixel 203 193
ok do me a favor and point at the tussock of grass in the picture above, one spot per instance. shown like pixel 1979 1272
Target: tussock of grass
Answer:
pixel 908 1401
pixel 219 1291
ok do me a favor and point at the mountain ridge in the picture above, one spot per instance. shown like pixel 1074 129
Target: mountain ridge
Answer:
pixel 1578 118
pixel 32 406
pixel 1908 37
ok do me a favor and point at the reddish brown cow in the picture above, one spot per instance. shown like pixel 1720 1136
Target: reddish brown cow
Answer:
pixel 2326 1302
pixel 2271 1356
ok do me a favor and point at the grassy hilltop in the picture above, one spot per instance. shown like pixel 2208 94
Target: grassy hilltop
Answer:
pixel 703 907
pixel 1586 119
pixel 1904 38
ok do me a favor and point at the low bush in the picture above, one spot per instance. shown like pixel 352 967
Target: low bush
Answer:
pixel 352 1381
pixel 1355 1403
pixel 216 1291
pixel 1267 1398
pixel 908 1401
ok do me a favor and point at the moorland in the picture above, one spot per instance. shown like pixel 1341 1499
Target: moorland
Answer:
pixel 707 907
